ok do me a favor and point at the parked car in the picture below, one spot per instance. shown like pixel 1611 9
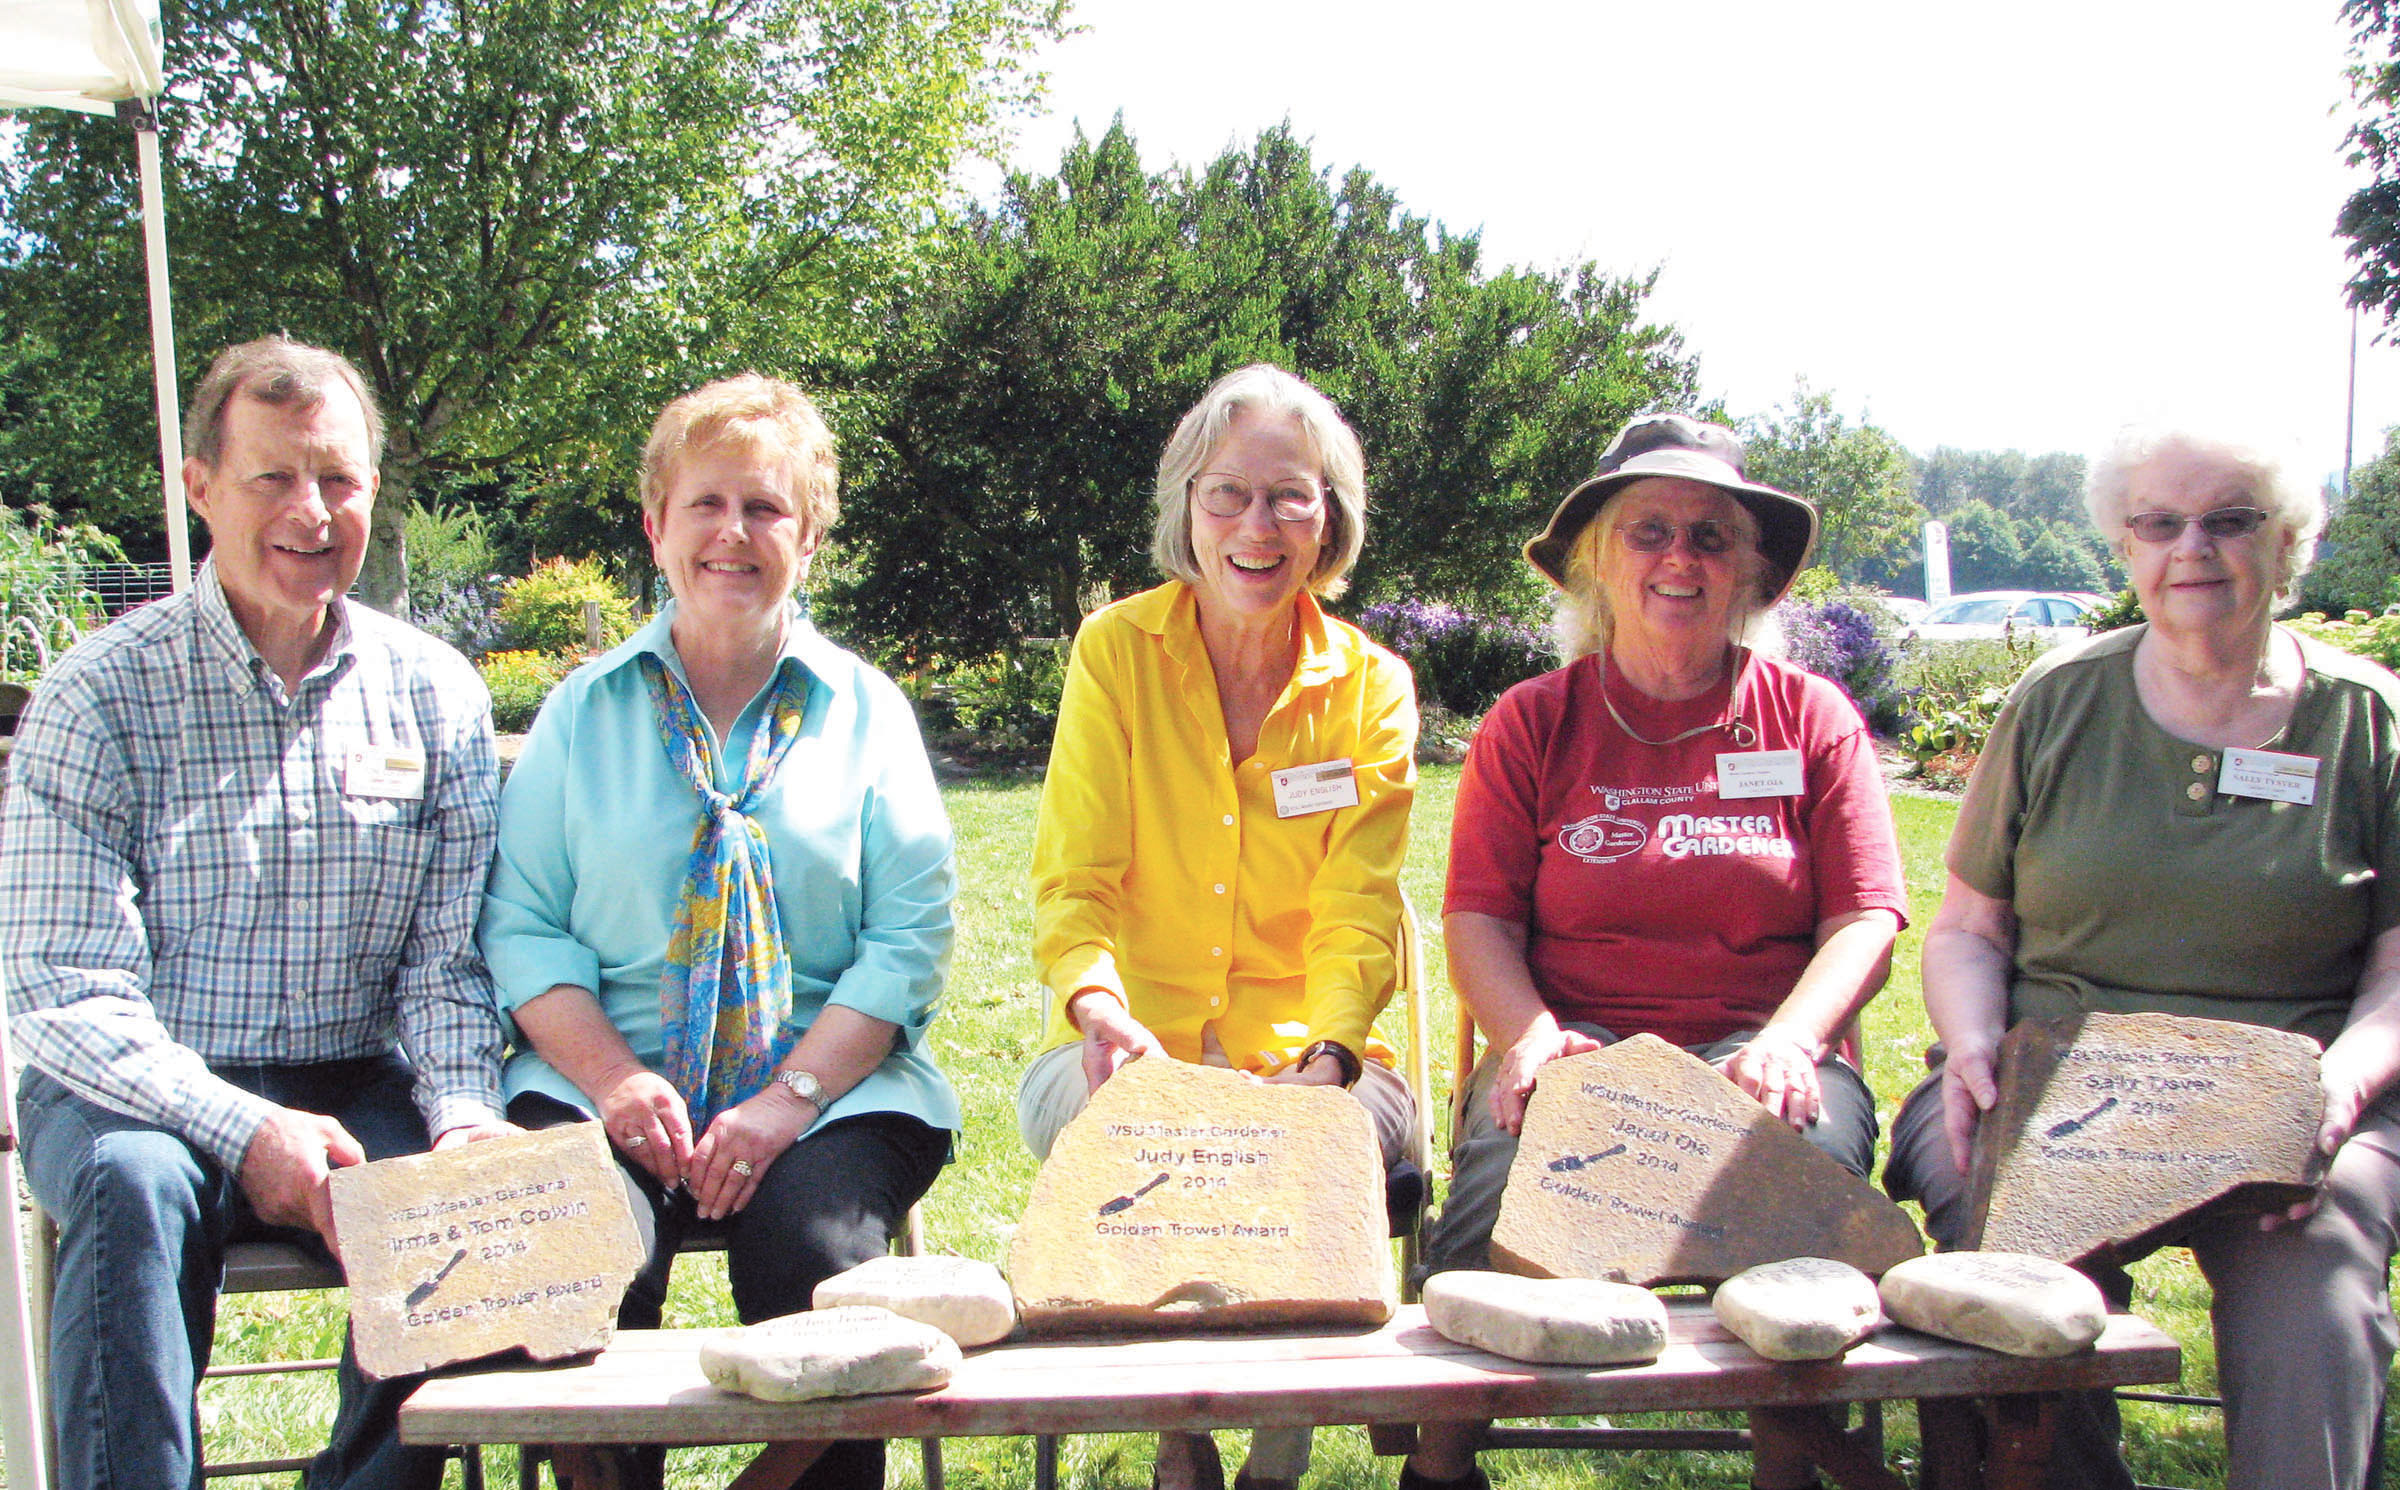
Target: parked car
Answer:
pixel 2049 616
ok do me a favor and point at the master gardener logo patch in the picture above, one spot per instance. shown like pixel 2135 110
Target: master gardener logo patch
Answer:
pixel 1602 839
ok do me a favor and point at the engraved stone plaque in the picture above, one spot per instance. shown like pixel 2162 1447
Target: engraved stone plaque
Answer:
pixel 1641 1164
pixel 1187 1197
pixel 2110 1128
pixel 525 1241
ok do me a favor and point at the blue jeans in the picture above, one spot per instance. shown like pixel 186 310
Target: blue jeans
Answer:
pixel 143 1221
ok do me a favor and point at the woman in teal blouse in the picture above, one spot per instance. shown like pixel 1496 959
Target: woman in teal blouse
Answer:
pixel 721 909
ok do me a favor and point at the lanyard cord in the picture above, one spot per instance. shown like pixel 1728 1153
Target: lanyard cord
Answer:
pixel 1744 737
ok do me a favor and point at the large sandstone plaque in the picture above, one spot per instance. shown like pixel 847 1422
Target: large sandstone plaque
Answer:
pixel 524 1242
pixel 1641 1164
pixel 1186 1197
pixel 2110 1128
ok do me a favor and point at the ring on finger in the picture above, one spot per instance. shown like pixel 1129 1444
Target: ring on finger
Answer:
pixel 636 1140
pixel 742 1167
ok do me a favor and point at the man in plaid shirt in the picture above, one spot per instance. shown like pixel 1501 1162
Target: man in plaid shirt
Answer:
pixel 244 846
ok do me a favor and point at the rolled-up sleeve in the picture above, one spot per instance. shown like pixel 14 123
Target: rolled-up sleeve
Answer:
pixel 909 879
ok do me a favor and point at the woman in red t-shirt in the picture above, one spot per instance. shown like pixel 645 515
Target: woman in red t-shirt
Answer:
pixel 1669 835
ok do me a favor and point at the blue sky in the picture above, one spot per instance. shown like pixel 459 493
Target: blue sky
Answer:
pixel 1987 226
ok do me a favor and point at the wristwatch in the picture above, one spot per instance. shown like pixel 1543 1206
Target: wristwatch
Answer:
pixel 1343 1056
pixel 805 1086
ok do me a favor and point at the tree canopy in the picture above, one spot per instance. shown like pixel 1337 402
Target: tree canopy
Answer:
pixel 1859 477
pixel 2370 219
pixel 1003 442
pixel 529 223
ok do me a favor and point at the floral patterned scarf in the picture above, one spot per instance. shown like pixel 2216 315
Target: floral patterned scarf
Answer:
pixel 725 997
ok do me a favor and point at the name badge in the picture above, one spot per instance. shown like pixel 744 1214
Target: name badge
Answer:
pixel 1759 773
pixel 396 771
pixel 1321 788
pixel 2269 775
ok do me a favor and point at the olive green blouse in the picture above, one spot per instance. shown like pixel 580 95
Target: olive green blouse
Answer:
pixel 2140 888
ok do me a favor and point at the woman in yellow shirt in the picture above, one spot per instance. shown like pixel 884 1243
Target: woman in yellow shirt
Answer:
pixel 1216 867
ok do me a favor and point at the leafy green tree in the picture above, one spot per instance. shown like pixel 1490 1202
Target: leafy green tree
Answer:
pixel 1003 443
pixel 1985 553
pixel 2370 219
pixel 2359 555
pixel 1859 477
pixel 527 222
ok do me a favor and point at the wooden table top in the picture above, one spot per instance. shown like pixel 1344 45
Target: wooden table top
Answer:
pixel 647 1386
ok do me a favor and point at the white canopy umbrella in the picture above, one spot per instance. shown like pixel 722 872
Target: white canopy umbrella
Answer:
pixel 103 57
pixel 97 57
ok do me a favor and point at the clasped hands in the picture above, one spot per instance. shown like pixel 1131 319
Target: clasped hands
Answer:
pixel 648 1122
pixel 1777 1067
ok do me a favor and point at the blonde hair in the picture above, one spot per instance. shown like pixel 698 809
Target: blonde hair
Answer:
pixel 767 417
pixel 1582 621
pixel 1265 389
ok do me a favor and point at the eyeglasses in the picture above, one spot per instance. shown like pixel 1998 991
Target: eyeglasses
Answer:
pixel 1655 535
pixel 1224 495
pixel 2224 522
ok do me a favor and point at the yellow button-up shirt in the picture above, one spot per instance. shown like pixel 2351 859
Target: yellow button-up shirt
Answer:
pixel 1161 873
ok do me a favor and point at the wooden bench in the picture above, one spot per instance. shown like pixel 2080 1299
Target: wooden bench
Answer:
pixel 647 1387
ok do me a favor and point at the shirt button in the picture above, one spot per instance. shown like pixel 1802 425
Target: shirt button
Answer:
pixel 2200 762
pixel 1220 889
pixel 1228 819
pixel 1216 951
pixel 2196 791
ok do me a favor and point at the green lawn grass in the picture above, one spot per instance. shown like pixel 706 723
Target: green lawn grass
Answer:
pixel 986 1031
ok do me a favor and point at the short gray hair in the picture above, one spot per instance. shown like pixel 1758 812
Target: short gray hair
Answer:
pixel 281 373
pixel 1265 389
pixel 1582 622
pixel 2295 508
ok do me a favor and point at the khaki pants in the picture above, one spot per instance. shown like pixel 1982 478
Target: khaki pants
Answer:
pixel 2302 1314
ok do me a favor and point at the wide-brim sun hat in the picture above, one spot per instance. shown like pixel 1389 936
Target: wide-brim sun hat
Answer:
pixel 1688 449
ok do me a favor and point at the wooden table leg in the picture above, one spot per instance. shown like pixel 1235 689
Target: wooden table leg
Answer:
pixel 1949 1444
pixel 2022 1428
pixel 1837 1453
pixel 777 1465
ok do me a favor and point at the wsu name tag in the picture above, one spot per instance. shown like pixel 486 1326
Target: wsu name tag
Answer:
pixel 1759 773
pixel 394 771
pixel 1321 788
pixel 2269 775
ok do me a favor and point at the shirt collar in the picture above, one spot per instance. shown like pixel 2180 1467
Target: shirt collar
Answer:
pixel 803 647
pixel 1172 611
pixel 221 633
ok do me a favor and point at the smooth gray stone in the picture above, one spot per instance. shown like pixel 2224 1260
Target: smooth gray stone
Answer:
pixel 1553 1321
pixel 967 1300
pixel 1801 1309
pixel 847 1352
pixel 2011 1302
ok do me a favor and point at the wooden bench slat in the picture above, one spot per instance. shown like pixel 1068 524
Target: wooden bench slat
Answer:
pixel 647 1387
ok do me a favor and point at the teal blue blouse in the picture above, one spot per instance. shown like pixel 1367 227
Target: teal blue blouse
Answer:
pixel 596 828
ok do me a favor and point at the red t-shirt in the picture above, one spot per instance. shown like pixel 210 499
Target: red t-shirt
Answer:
pixel 1649 902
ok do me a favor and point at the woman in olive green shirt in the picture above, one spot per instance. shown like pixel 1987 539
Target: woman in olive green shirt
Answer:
pixel 2106 859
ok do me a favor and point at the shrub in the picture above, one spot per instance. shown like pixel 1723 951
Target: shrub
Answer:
pixel 2373 637
pixel 519 681
pixel 451 587
pixel 543 611
pixel 2124 611
pixel 1463 661
pixel 1008 700
pixel 1955 691
pixel 1852 645
pixel 45 607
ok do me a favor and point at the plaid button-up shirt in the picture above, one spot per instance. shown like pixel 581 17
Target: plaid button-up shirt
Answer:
pixel 195 871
